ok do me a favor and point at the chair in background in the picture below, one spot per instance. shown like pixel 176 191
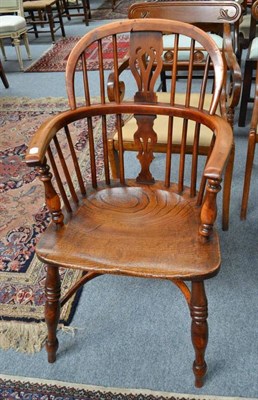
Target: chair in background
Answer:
pixel 3 76
pixel 81 6
pixel 215 17
pixel 13 26
pixel 248 28
pixel 211 16
pixel 42 12
pixel 251 64
pixel 144 226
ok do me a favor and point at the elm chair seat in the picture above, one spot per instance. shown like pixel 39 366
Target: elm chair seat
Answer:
pixel 126 213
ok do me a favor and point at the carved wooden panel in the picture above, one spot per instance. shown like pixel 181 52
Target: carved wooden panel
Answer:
pixel 146 64
pixel 208 12
pixel 146 61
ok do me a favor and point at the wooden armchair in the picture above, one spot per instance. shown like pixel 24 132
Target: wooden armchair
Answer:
pixel 144 226
pixel 217 18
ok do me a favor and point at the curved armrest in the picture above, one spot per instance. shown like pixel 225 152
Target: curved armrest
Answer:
pixel 234 86
pixel 213 172
pixel 40 141
pixel 221 150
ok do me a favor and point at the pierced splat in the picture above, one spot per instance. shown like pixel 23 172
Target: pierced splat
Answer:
pixel 146 63
pixel 145 138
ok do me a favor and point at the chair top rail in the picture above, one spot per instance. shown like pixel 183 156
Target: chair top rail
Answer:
pixel 188 11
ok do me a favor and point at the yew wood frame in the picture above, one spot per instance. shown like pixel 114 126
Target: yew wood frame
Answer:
pixel 144 107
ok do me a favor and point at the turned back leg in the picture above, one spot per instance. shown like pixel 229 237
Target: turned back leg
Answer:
pixel 52 310
pixel 199 314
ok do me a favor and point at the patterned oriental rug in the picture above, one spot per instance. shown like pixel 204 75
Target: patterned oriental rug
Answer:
pixel 12 388
pixel 23 218
pixel 105 10
pixel 55 59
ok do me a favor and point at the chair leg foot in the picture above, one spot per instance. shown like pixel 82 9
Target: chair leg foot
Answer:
pixel 199 314
pixel 52 310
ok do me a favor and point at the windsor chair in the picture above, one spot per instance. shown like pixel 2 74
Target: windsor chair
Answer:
pixel 139 225
pixel 217 18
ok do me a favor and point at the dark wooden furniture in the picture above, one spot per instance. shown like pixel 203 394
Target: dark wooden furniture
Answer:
pixel 81 8
pixel 3 76
pixel 44 12
pixel 248 28
pixel 142 227
pixel 213 16
pixel 250 65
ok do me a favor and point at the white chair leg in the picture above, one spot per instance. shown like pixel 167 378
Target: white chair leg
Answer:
pixel 16 42
pixel 27 46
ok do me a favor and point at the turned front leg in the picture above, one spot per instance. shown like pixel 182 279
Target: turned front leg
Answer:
pixel 199 314
pixel 52 310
